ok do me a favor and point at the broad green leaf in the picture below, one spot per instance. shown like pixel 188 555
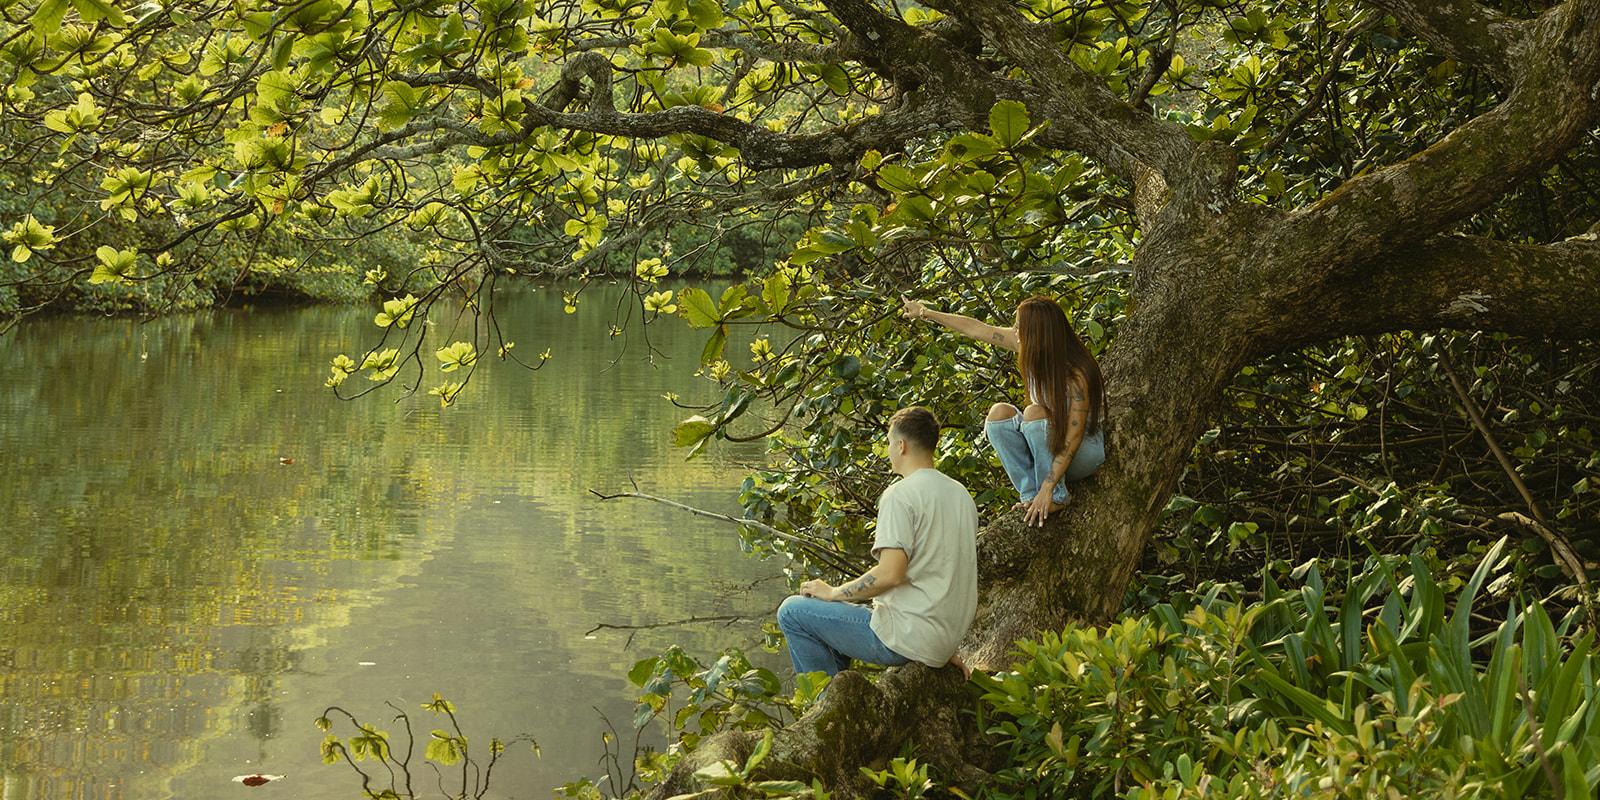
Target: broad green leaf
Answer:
pixel 715 346
pixel 46 20
pixel 282 52
pixel 642 670
pixel 1008 121
pixel 442 748
pixel 698 308
pixel 896 178
pixel 459 354
pixel 397 312
pixel 972 147
pixel 114 265
pixel 692 431
pixel 775 293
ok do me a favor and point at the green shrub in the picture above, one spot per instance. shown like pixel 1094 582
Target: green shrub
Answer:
pixel 1371 693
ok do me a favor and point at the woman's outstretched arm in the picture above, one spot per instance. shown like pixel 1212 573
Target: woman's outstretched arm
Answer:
pixel 966 326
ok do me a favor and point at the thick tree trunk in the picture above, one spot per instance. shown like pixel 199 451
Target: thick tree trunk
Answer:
pixel 858 723
pixel 1170 366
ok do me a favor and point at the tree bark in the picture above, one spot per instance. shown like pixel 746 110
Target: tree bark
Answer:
pixel 858 723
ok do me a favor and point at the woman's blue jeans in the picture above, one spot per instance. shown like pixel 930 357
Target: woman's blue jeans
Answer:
pixel 1024 450
pixel 823 636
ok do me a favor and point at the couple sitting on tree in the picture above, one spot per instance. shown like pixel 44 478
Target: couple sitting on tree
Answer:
pixel 925 586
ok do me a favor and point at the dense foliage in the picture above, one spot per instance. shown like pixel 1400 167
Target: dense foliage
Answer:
pixel 968 154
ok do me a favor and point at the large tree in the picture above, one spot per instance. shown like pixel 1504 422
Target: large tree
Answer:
pixel 1296 173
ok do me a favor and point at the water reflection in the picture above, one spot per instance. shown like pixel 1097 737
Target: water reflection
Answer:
pixel 205 548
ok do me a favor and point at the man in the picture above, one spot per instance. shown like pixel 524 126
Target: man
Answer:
pixel 925 586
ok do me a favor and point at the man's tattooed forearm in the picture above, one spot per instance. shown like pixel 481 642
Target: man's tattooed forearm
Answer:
pixel 858 585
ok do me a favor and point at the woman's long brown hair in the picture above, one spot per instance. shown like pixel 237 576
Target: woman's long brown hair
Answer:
pixel 1051 355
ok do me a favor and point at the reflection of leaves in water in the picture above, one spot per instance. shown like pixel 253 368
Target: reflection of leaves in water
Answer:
pixel 174 553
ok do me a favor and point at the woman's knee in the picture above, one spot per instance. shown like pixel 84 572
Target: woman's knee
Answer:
pixel 1035 411
pixel 1001 411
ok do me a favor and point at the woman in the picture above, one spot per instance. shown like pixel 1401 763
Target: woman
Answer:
pixel 1059 438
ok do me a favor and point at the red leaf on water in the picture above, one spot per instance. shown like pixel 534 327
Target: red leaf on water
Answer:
pixel 257 780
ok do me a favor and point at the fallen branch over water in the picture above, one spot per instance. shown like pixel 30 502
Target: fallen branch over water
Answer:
pixel 818 551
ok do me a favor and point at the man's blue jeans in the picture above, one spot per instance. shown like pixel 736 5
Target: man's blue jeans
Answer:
pixel 824 636
pixel 1024 450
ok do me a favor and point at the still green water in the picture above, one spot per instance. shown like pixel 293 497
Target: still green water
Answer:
pixel 177 604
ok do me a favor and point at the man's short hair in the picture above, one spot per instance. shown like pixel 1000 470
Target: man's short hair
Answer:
pixel 918 426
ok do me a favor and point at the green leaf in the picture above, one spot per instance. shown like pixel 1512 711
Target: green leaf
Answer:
pixel 1008 121
pixel 775 293
pixel 715 346
pixel 972 147
pixel 831 242
pixel 896 178
pixel 281 52
pixel 692 431
pixel 459 354
pixel 733 305
pixel 706 14
pixel 642 670
pixel 404 100
pixel 442 748
pixel 115 265
pixel 698 308
pixel 588 227
pixel 760 753
pixel 47 18
pixel 397 312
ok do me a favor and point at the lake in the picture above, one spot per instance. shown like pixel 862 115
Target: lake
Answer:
pixel 203 548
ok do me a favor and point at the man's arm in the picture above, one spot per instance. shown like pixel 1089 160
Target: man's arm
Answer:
pixel 889 573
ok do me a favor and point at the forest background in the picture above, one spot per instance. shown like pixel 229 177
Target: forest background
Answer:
pixel 1339 259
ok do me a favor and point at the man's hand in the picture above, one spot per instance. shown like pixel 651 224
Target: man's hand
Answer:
pixel 819 589
pixel 966 671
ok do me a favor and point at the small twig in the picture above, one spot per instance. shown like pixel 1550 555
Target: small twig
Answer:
pixel 1340 50
pixel 730 618
pixel 816 550
pixel 1539 523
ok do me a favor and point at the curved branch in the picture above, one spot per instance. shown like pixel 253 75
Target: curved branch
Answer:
pixel 1456 282
pixel 1095 120
pixel 760 148
pixel 1539 523
pixel 804 52
pixel 1553 105
pixel 1466 31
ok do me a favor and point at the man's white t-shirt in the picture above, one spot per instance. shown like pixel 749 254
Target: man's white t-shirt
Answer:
pixel 932 518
